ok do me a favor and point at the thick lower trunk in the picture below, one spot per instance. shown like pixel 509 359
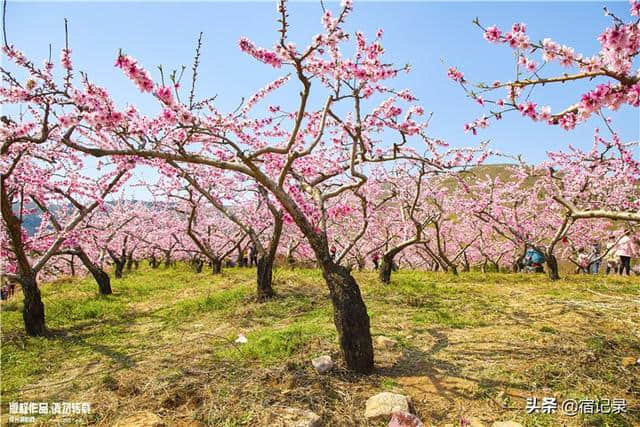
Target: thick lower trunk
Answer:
pixel 265 276
pixel 119 269
pixel 350 317
pixel 33 310
pixel 216 266
pixel 102 278
pixel 153 262
pixel 167 261
pixel 454 270
pixel 129 263
pixel 384 274
pixel 552 265
pixel 103 281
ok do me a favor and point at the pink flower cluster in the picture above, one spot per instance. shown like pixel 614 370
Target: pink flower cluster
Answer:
pixel 261 54
pixel 65 59
pixel 620 44
pixel 527 63
pixel 517 37
pixel 137 74
pixel 164 94
pixel 262 93
pixel 492 34
pixel 472 127
pixel 455 75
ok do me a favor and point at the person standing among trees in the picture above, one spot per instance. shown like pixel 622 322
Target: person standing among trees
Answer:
pixel 595 258
pixel 625 251
pixel 376 260
pixel 244 262
pixel 583 261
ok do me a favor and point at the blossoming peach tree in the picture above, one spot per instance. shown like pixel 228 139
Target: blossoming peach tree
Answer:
pixel 304 156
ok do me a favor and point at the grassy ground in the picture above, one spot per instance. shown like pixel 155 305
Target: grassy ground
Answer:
pixel 476 345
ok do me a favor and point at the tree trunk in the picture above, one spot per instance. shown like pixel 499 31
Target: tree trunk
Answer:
pixel 153 262
pixel 216 267
pixel 197 265
pixel 33 310
pixel 129 262
pixel 454 270
pixel 102 278
pixel 119 268
pixel 265 276
pixel 552 264
pixel 384 274
pixel 167 260
pixel 103 281
pixel 350 317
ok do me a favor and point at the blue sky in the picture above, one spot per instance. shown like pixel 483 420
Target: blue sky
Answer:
pixel 428 35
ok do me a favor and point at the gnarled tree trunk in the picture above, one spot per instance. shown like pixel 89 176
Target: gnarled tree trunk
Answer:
pixel 216 266
pixel 552 265
pixel 386 266
pixel 129 261
pixel 102 278
pixel 119 269
pixel 350 317
pixel 33 309
pixel 265 276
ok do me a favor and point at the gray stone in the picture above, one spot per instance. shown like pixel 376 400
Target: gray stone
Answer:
pixel 382 405
pixel 322 364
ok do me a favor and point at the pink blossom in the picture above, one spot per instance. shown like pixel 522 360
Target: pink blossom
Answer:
pixel 455 75
pixel 492 34
pixel 165 94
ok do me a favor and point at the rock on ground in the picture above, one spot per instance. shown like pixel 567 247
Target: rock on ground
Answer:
pixel 384 404
pixel 295 417
pixel 322 364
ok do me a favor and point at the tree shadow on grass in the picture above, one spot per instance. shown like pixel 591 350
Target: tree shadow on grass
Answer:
pixel 443 377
